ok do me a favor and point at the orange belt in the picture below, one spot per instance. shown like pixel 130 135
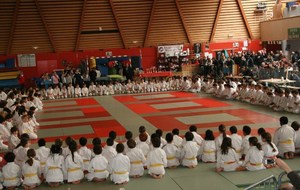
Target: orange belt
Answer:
pixel 230 162
pixel 271 157
pixel 256 164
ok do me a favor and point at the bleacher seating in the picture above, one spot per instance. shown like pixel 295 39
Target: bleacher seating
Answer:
pixel 9 74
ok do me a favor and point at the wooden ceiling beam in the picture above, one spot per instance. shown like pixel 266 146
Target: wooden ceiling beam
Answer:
pixel 149 23
pixel 13 27
pixel 185 27
pixel 45 25
pixel 80 25
pixel 118 23
pixel 213 30
pixel 245 19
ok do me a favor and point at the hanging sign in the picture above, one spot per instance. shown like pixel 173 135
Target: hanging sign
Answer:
pixel 170 50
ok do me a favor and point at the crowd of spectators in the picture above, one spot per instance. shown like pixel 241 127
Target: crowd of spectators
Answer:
pixel 248 62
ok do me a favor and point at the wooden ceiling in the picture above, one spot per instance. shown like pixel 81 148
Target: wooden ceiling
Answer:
pixel 31 26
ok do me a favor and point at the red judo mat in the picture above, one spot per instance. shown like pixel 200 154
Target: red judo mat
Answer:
pixel 165 119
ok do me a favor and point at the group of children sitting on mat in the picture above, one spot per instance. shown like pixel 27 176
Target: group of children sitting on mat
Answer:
pixel 248 91
pixel 111 88
pixel 121 161
pixel 255 93
pixel 71 163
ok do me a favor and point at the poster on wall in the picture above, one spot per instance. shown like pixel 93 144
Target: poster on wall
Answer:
pixel 235 44
pixel 108 54
pixel 170 50
pixel 208 55
pixel 26 60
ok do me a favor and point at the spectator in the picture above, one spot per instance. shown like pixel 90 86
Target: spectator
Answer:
pixel 293 176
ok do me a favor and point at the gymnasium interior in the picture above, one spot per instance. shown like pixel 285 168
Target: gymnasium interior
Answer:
pixel 159 39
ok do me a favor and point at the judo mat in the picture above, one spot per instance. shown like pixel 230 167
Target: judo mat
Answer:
pixel 96 116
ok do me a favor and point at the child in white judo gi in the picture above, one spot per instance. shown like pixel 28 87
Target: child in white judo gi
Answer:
pixel 119 167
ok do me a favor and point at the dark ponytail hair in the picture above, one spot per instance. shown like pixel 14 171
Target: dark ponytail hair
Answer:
pixel 209 135
pixel 226 144
pixel 222 130
pixel 73 148
pixel 254 142
pixel 30 154
pixel 55 149
pixel 267 136
pixel 23 142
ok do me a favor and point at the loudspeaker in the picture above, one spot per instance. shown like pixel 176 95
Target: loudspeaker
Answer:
pixel 197 48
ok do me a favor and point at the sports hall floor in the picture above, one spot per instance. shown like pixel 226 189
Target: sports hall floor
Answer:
pixel 96 116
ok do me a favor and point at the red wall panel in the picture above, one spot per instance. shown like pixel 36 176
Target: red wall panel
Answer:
pixel 46 62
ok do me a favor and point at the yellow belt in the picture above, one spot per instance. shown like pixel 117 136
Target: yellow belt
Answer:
pixel 238 151
pixel 120 173
pixel 11 178
pixel 99 171
pixel 193 158
pixel 86 160
pixel 136 162
pixel 256 164
pixel 171 158
pixel 156 165
pixel 73 169
pixel 53 168
pixel 30 175
pixel 209 152
pixel 287 142
pixel 43 163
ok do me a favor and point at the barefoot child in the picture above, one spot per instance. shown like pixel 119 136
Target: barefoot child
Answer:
pixel 189 151
pixel 74 165
pixel 98 166
pixel 156 160
pixel 31 171
pixel 119 167
pixel 137 159
pixel 172 152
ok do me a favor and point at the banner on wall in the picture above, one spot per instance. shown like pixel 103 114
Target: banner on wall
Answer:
pixel 26 60
pixel 170 50
pixel 108 54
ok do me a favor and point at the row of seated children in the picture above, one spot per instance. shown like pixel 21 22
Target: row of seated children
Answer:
pixel 13 123
pixel 130 158
pixel 143 86
pixel 12 98
pixel 257 94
